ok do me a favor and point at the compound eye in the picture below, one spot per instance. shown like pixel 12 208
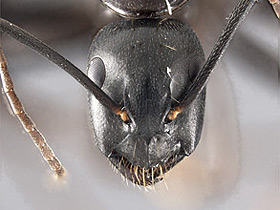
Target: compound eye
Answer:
pixel 172 114
pixel 143 8
pixel 124 116
pixel 96 71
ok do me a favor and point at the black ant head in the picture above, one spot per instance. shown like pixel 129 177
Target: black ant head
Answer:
pixel 146 66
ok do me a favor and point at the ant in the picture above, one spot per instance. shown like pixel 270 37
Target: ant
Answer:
pixel 115 113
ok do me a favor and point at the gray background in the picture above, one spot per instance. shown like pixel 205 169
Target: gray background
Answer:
pixel 236 165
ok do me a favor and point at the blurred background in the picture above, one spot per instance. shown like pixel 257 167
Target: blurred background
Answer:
pixel 236 165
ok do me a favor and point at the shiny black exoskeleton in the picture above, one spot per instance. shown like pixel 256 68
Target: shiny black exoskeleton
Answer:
pixel 146 66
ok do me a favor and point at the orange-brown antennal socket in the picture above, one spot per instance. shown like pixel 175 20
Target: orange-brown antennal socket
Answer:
pixel 124 116
pixel 173 113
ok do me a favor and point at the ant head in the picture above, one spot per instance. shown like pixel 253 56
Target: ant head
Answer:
pixel 143 8
pixel 146 66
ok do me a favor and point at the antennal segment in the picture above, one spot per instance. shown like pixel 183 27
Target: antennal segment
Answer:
pixel 236 17
pixel 44 50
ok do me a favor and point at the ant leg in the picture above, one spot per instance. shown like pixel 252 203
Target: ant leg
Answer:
pixel 276 6
pixel 26 121
pixel 238 14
